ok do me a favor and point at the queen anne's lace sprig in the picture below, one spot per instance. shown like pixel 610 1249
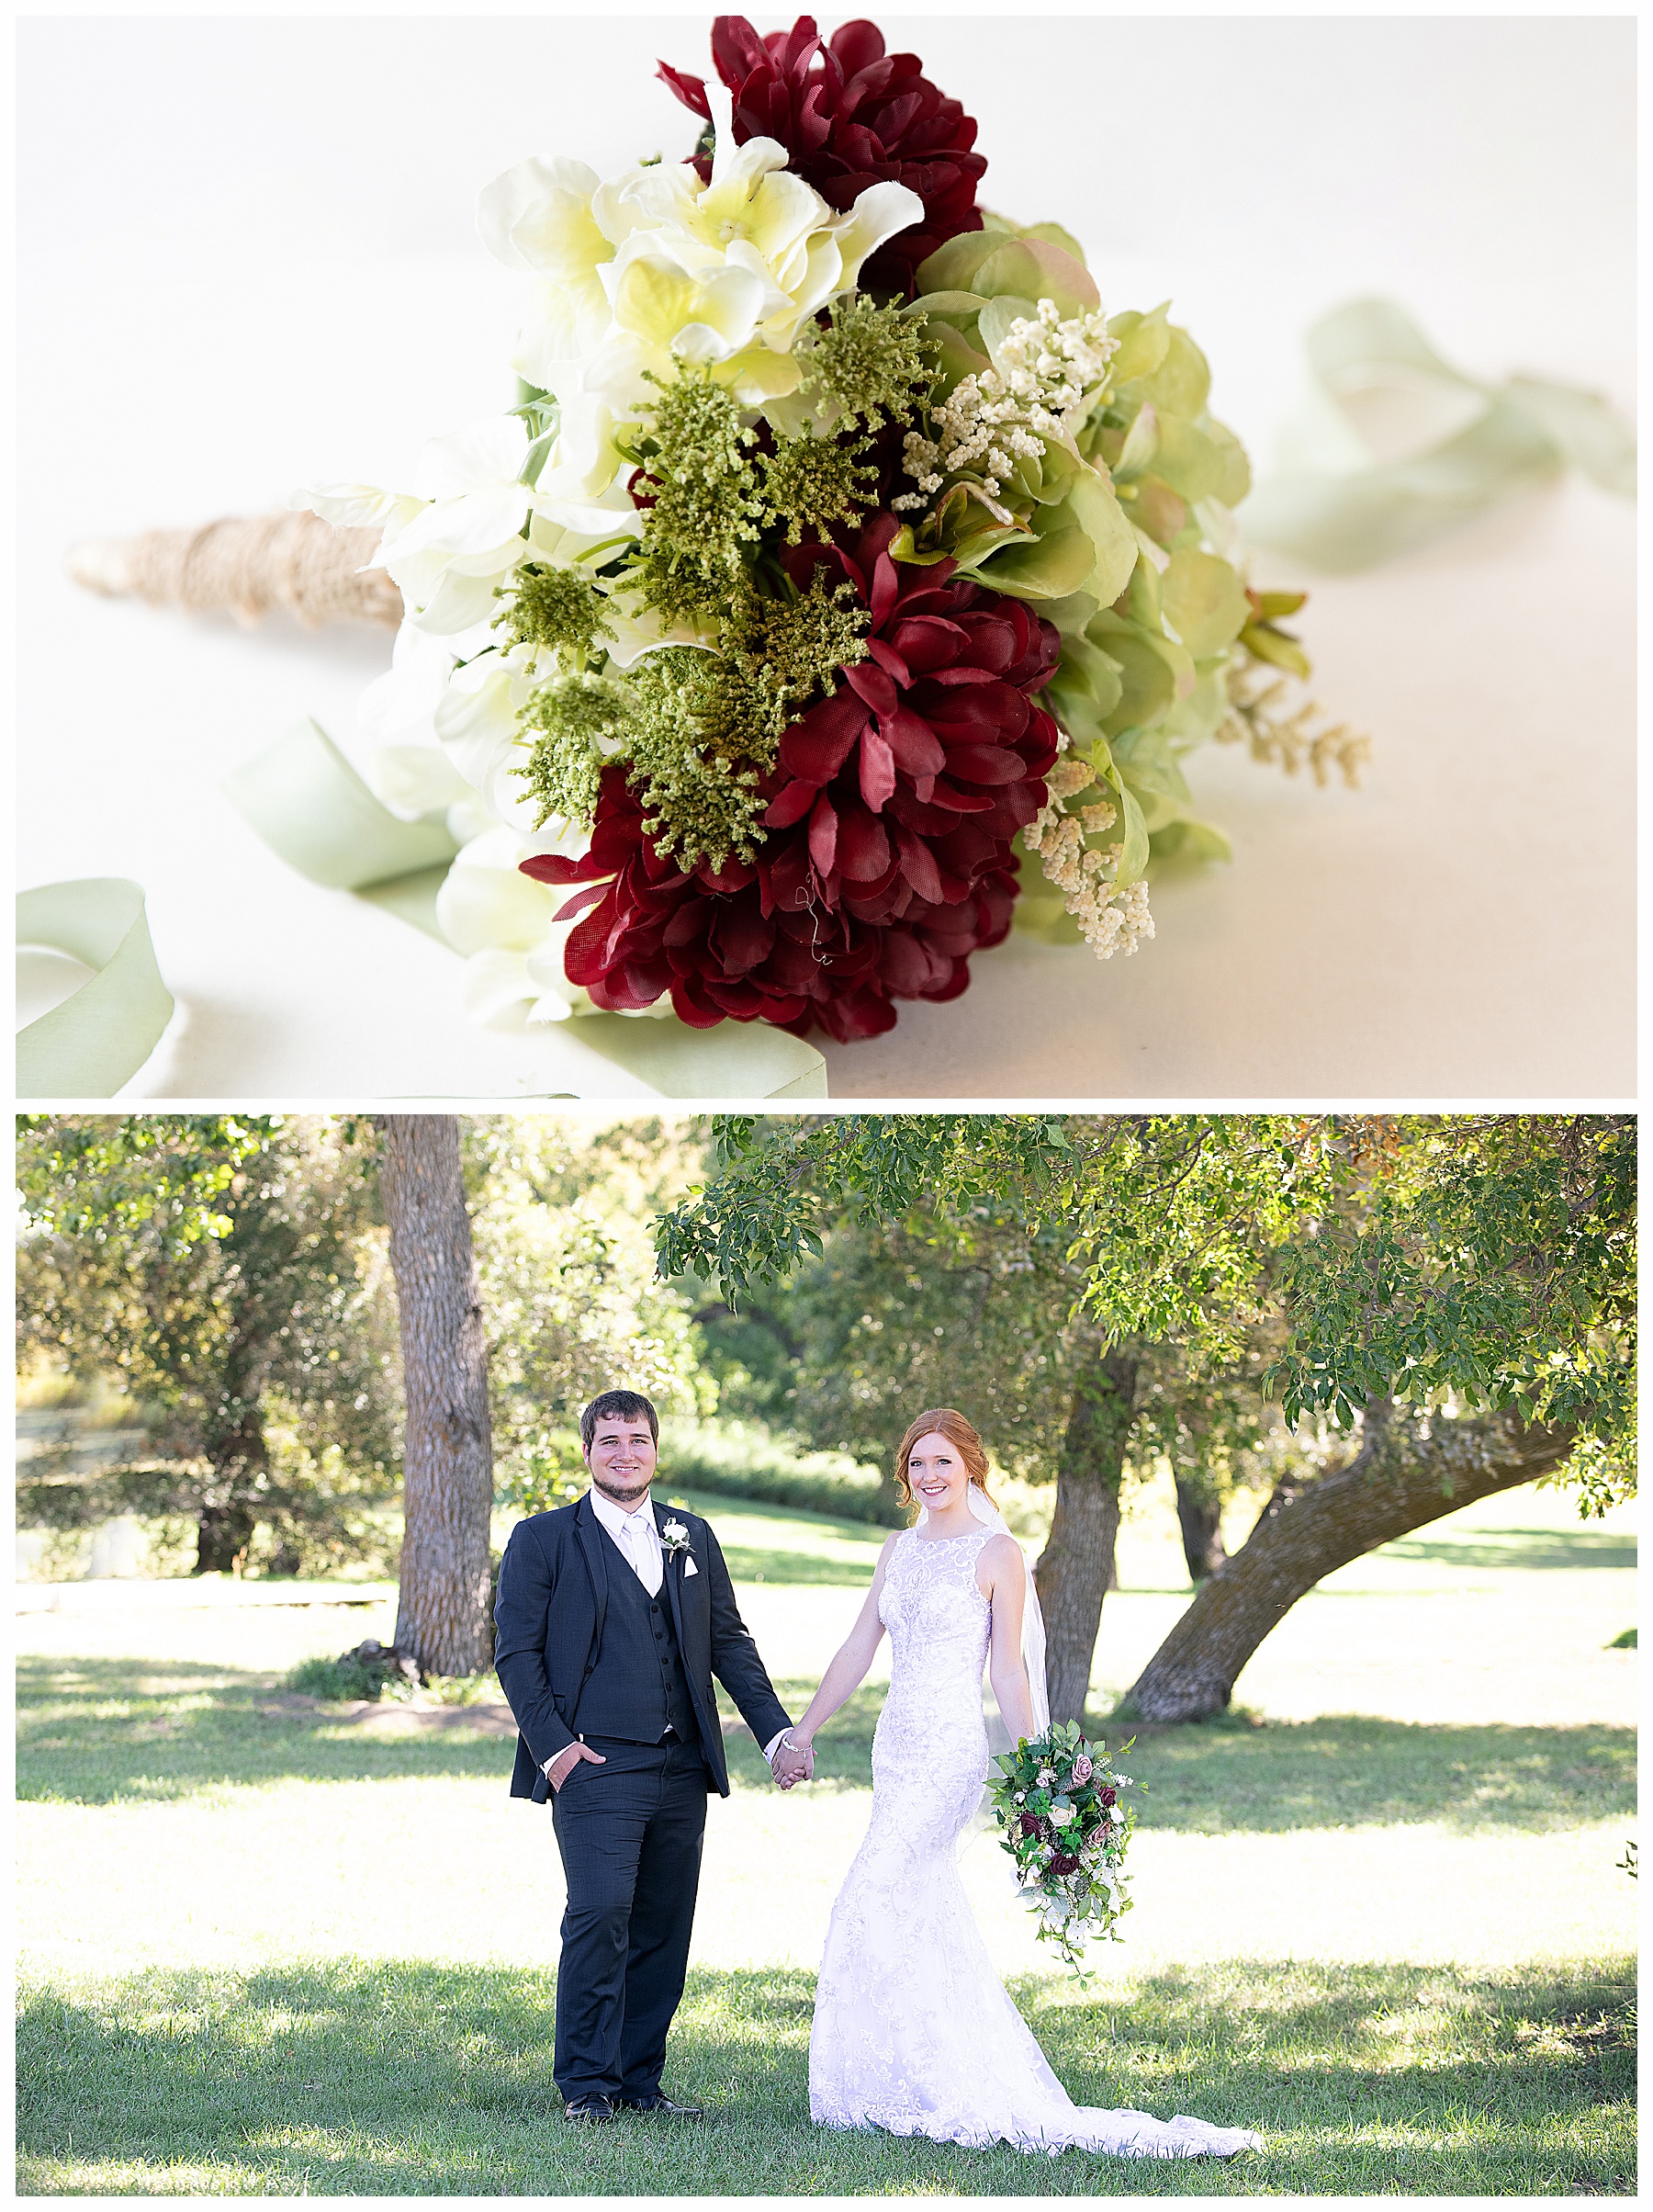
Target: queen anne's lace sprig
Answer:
pixel 1042 386
pixel 1287 740
pixel 1114 919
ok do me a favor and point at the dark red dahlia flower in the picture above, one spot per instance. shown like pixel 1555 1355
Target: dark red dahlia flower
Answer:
pixel 849 115
pixel 892 807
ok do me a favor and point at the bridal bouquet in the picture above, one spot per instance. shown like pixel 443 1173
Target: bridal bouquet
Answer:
pixel 847 584
pixel 1057 1802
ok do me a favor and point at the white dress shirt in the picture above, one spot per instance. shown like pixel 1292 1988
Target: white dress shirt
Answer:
pixel 639 1537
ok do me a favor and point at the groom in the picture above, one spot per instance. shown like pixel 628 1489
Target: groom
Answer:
pixel 614 1614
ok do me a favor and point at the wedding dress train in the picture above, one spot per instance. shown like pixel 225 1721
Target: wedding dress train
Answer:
pixel 913 2031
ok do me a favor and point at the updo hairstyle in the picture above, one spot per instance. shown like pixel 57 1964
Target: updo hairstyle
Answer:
pixel 942 1421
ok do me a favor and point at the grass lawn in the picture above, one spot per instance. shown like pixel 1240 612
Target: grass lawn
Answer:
pixel 272 1949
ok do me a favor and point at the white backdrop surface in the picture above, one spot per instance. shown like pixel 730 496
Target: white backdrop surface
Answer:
pixel 247 264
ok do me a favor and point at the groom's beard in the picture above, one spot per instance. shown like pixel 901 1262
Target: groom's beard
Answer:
pixel 615 1488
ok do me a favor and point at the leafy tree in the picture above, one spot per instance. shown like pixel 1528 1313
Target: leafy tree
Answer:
pixel 1468 1269
pixel 221 1267
pixel 525 1285
pixel 974 1307
pixel 573 1302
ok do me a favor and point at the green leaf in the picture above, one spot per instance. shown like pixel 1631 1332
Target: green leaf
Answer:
pixel 1182 381
pixel 1275 647
pixel 1034 269
pixel 1190 461
pixel 1204 601
pixel 1144 341
pixel 1087 679
pixel 1236 480
pixel 946 304
pixel 1133 849
pixel 952 266
pixel 1092 503
pixel 1146 761
pixel 1056 563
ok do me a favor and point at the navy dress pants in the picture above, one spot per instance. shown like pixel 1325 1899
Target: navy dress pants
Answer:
pixel 630 1834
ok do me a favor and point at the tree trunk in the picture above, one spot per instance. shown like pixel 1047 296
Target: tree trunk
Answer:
pixel 228 1510
pixel 1076 1568
pixel 447 1463
pixel 222 1536
pixel 1398 1480
pixel 1201 1520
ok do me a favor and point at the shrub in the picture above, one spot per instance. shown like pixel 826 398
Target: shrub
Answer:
pixel 367 1671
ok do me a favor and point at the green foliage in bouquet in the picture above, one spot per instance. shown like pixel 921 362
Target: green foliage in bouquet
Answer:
pixel 1072 459
pixel 1057 1803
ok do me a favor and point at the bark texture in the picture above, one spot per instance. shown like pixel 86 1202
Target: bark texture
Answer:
pixel 1200 1518
pixel 447 1468
pixel 1076 1568
pixel 228 1513
pixel 1398 1480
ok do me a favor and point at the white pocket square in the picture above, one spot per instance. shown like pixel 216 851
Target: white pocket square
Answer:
pixel 690 1568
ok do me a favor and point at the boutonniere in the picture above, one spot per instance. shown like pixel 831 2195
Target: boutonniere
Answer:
pixel 675 1538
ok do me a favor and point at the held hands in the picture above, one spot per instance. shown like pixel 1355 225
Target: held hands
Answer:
pixel 558 1769
pixel 793 1763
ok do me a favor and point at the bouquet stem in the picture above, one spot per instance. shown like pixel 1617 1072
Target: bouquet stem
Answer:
pixel 246 567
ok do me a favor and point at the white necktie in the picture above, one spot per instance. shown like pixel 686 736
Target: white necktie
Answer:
pixel 640 1553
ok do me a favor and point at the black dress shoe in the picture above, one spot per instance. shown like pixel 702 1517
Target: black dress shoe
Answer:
pixel 589 2109
pixel 659 2103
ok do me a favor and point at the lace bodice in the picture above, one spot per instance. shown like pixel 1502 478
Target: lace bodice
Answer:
pixel 913 2029
pixel 939 1624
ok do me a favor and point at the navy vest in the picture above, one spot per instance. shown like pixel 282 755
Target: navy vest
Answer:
pixel 638 1689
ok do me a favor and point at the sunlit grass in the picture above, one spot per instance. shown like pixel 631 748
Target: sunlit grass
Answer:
pixel 270 1951
pixel 339 2078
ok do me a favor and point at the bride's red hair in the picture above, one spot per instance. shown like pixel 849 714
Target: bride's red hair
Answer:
pixel 942 1421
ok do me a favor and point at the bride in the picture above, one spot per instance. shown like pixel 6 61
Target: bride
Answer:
pixel 913 2030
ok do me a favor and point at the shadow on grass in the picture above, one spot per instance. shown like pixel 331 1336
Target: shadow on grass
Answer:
pixel 1521 1548
pixel 351 2078
pixel 101 1731
pixel 1234 1774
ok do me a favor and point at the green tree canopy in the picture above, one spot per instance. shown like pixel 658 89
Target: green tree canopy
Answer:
pixel 1485 1260
pixel 223 1267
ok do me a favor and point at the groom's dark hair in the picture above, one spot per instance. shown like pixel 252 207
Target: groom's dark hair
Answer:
pixel 617 1405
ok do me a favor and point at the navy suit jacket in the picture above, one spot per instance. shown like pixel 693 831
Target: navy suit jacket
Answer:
pixel 549 1620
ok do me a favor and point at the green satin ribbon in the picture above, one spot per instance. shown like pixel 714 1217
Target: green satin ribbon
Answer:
pixel 102 1033
pixel 306 801
pixel 1340 509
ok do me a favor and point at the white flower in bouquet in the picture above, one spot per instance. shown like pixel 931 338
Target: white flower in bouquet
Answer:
pixel 453 540
pixel 503 923
pixel 724 274
pixel 1061 1815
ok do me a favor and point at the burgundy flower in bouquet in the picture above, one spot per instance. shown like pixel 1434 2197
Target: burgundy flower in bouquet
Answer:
pixel 849 115
pixel 893 806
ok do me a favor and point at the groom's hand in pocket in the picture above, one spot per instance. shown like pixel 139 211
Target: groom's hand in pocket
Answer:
pixel 558 1769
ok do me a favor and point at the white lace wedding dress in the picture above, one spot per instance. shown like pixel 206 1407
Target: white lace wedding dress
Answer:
pixel 913 2029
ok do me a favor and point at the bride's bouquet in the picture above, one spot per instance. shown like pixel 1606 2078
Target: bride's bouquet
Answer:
pixel 1057 1802
pixel 846 585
